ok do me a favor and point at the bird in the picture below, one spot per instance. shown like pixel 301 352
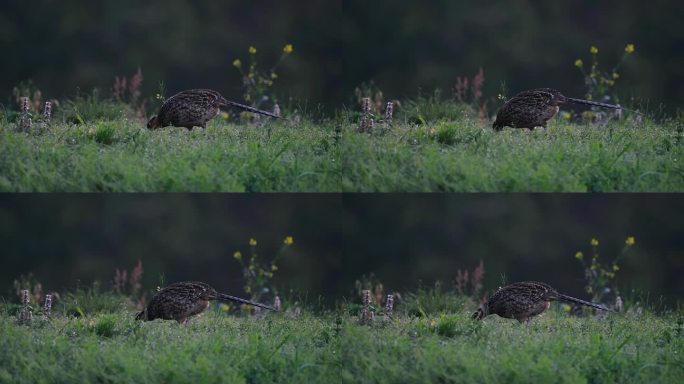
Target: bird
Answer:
pixel 194 108
pixel 180 301
pixel 534 108
pixel 526 299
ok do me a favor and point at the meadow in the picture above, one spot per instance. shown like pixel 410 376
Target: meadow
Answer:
pixel 123 156
pixel 429 338
pixel 438 146
pixel 432 146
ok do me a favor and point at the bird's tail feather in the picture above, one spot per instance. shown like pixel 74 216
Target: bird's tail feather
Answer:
pixel 570 299
pixel 223 297
pixel 229 103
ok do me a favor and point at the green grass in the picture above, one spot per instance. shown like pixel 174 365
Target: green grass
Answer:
pixel 465 155
pixel 434 145
pixel 122 155
pixel 439 345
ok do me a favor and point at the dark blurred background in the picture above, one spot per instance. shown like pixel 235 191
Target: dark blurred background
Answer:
pixel 64 239
pixel 406 239
pixel 403 45
pixel 403 239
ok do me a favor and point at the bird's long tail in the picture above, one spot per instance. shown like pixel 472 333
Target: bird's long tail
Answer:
pixel 570 299
pixel 229 103
pixel 223 297
pixel 596 103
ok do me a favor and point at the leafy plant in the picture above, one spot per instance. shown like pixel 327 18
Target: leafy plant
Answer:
pixel 463 87
pixel 258 276
pixel 91 300
pixel 105 325
pixel 257 84
pixel 31 283
pixel 128 283
pixel 92 107
pixel 30 90
pixel 128 91
pixel 473 279
pixel 599 83
pixel 600 277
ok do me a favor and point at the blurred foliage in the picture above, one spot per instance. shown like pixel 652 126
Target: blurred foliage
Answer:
pixel 258 85
pixel 601 276
pixel 410 241
pixel 182 237
pixel 259 276
pixel 599 84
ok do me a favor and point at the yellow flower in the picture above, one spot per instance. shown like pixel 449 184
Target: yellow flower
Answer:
pixel 566 308
pixel 225 307
pixel 579 63
pixel 274 267
pixel 615 268
pixel 237 255
pixel 629 49
pixel 630 241
pixel 288 49
pixel 566 115
pixel 594 242
pixel 252 51
pixel 237 63
pixel 579 255
pixel 593 50
pixel 252 242
pixel 274 75
pixel 269 274
pixel 288 240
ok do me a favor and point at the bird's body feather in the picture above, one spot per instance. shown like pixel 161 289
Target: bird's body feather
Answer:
pixel 524 300
pixel 534 108
pixel 180 301
pixel 194 108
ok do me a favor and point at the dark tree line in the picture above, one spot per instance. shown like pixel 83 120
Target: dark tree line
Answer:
pixel 404 45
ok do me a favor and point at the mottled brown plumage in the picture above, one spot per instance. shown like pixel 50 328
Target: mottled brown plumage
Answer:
pixel 194 108
pixel 180 301
pixel 526 299
pixel 534 108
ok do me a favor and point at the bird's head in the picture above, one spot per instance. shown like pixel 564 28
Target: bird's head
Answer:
pixel 481 313
pixel 142 315
pixel 154 123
